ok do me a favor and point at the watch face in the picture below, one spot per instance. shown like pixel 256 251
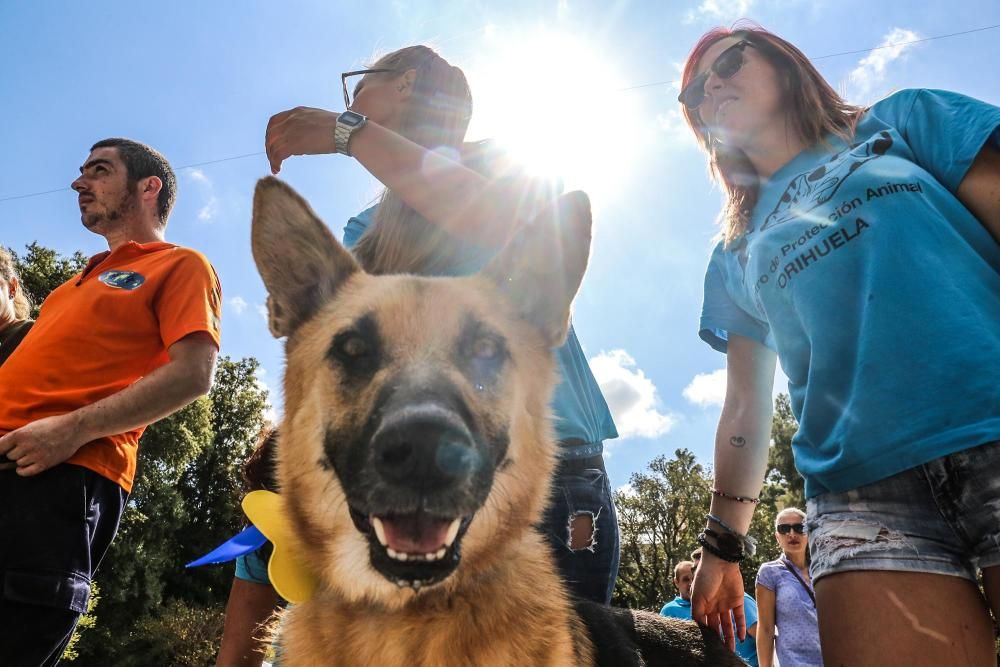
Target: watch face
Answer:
pixel 351 119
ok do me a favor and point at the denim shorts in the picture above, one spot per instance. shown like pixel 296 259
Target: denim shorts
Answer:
pixel 942 517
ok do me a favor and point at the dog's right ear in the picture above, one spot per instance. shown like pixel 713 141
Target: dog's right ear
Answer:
pixel 301 262
pixel 541 268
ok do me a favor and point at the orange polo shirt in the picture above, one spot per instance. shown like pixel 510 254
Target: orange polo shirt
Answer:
pixel 101 331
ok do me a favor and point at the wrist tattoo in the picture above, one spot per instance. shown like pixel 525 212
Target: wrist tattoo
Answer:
pixel 737 441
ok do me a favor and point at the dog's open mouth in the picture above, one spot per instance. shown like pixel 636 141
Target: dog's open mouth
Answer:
pixel 414 550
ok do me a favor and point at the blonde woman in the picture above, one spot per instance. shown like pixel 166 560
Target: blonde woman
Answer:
pixel 15 307
pixel 786 602
pixel 447 208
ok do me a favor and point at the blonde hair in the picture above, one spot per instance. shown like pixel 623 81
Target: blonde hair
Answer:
pixel 790 510
pixel 814 111
pixel 8 272
pixel 436 116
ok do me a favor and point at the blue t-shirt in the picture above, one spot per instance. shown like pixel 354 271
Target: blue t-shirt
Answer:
pixel 797 639
pixel 746 649
pixel 253 567
pixel 677 608
pixel 580 411
pixel 878 289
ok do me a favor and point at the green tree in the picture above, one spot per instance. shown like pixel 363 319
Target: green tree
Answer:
pixel 659 519
pixel 665 508
pixel 43 269
pixel 781 464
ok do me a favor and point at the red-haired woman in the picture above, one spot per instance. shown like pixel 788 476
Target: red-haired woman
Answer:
pixel 859 247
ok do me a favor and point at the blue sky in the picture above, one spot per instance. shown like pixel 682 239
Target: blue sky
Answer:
pixel 199 80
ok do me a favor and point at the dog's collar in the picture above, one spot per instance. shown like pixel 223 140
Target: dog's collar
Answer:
pixel 266 511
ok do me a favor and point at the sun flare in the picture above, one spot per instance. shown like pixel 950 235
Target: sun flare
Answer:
pixel 550 100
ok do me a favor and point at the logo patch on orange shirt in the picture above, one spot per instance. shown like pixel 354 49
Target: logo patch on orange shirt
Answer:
pixel 122 279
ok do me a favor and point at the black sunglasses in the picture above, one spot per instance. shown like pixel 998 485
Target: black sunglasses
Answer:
pixel 786 528
pixel 358 72
pixel 725 66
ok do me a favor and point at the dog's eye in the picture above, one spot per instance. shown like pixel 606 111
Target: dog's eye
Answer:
pixel 485 348
pixel 354 347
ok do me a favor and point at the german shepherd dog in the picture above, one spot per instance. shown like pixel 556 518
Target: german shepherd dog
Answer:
pixel 416 451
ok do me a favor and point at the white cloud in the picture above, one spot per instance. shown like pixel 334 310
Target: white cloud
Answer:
pixel 208 211
pixel 211 206
pixel 199 176
pixel 270 414
pixel 671 122
pixel 719 10
pixel 870 75
pixel 238 304
pixel 627 490
pixel 630 395
pixel 707 388
pixel 261 310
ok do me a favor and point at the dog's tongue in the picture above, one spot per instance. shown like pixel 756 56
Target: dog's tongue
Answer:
pixel 415 533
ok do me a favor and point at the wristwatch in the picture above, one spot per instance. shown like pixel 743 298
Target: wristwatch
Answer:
pixel 348 123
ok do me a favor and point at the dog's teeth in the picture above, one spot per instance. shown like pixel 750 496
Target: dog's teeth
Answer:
pixel 403 556
pixel 440 553
pixel 452 534
pixel 392 553
pixel 379 530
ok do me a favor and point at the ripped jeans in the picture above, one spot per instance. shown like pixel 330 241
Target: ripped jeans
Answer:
pixel 942 517
pixel 581 527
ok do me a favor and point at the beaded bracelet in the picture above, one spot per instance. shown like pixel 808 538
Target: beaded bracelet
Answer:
pixel 739 499
pixel 717 552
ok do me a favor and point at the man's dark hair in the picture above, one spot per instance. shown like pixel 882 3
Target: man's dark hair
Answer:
pixel 141 161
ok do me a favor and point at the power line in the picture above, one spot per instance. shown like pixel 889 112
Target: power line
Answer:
pixel 181 168
pixel 617 90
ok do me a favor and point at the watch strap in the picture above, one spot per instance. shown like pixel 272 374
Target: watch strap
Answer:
pixel 342 135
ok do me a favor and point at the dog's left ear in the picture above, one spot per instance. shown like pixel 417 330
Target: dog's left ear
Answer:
pixel 301 262
pixel 541 268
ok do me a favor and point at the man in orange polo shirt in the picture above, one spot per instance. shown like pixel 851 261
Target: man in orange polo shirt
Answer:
pixel 128 341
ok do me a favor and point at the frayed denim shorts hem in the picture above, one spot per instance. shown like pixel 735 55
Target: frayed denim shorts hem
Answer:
pixel 942 517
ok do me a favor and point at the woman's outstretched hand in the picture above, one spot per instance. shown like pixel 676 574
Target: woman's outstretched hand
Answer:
pixel 299 131
pixel 718 591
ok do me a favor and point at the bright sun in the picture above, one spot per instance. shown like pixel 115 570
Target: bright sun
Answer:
pixel 551 102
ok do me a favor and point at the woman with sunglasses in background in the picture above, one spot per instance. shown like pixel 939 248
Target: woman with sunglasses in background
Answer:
pixel 859 247
pixel 447 208
pixel 785 599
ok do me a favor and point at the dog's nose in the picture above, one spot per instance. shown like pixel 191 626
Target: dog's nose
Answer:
pixel 424 449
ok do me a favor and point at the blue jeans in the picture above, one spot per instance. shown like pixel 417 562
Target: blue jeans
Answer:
pixel 581 489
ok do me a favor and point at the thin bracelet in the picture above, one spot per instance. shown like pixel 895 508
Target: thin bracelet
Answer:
pixel 712 517
pixel 739 499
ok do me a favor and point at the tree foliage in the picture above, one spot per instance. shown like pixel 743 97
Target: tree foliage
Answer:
pixel 663 509
pixel 42 270
pixel 659 518
pixel 781 466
